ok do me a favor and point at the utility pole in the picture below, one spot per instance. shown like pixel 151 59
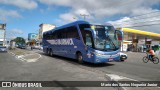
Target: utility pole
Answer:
pixel 4 33
pixel 3 30
pixel 84 16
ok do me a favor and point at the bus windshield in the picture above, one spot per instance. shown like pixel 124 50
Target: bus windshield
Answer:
pixel 106 38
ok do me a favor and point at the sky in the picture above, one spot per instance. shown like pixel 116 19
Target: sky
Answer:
pixel 25 16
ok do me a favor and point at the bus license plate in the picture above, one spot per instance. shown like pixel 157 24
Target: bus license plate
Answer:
pixel 110 59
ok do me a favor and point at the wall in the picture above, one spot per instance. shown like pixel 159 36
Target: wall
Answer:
pixel 44 28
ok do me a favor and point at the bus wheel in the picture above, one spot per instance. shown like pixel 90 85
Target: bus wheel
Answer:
pixel 79 58
pixel 51 52
pixel 48 52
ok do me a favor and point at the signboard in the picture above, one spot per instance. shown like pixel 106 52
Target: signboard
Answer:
pixel 141 41
pixel 32 36
pixel 148 42
pixel 3 26
pixel 155 42
pixel 135 41
pixel 124 47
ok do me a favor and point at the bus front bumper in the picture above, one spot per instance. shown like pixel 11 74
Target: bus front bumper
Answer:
pixel 106 58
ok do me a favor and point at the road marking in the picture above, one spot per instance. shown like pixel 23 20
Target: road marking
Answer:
pixel 115 77
pixel 22 57
pixel 19 56
pixel 12 53
pixel 31 60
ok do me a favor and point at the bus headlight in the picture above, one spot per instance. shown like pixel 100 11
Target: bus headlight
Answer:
pixel 97 54
pixel 118 53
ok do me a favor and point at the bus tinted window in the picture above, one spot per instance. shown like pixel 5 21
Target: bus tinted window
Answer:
pixel 82 27
pixel 69 32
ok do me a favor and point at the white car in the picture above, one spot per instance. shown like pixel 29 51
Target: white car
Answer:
pixel 38 47
pixel 123 56
pixel 3 49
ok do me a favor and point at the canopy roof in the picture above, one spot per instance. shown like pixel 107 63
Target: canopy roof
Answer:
pixel 140 32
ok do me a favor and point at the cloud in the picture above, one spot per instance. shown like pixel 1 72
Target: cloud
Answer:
pixel 16 31
pixel 23 4
pixel 100 9
pixel 66 18
pixel 11 34
pixel 147 20
pixel 11 13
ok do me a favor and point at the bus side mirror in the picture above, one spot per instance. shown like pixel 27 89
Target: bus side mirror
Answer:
pixel 119 35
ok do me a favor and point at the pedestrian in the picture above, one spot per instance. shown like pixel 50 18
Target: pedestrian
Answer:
pixel 31 46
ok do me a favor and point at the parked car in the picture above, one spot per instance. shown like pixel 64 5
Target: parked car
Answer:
pixel 123 56
pixel 38 47
pixel 3 49
pixel 22 46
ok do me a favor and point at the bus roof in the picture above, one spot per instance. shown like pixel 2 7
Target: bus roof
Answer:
pixel 74 23
pixel 70 24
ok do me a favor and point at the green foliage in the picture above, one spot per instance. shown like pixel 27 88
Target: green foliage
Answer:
pixel 19 40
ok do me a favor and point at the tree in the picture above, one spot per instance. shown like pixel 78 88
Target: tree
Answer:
pixel 19 40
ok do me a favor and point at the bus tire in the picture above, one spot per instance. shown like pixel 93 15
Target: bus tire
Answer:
pixel 51 52
pixel 79 58
pixel 48 52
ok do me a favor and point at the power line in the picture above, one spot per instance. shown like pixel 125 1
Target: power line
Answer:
pixel 145 14
pixel 151 21
pixel 141 25
pixel 140 14
pixel 138 19
pixel 144 18
pixel 141 20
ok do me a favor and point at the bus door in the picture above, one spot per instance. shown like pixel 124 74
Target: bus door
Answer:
pixel 119 36
pixel 89 44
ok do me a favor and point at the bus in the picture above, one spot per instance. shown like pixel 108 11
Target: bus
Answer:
pixel 83 41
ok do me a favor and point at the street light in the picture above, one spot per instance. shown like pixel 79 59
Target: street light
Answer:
pixel 84 16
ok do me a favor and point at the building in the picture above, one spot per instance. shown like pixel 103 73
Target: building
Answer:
pixel 2 34
pixel 138 40
pixel 44 28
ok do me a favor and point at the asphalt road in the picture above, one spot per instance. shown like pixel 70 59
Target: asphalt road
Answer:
pixel 58 68
pixel 133 67
pixel 46 68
